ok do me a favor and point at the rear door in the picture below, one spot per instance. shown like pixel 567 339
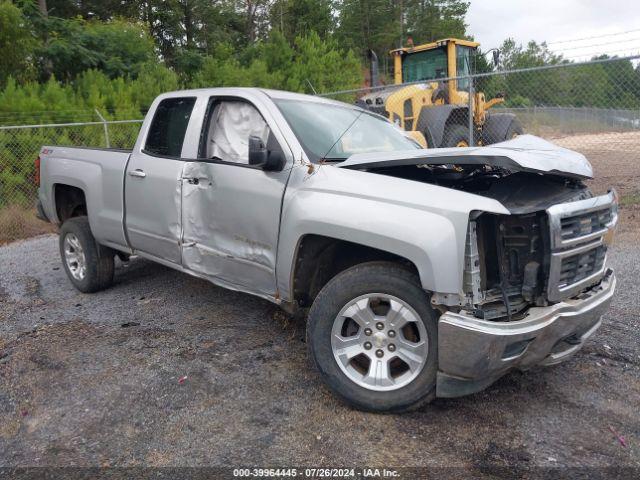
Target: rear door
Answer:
pixel 230 209
pixel 153 182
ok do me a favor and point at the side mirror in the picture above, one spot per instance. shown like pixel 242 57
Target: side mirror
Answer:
pixel 259 156
pixel 258 153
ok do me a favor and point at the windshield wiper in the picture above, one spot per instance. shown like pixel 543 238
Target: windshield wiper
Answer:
pixel 329 159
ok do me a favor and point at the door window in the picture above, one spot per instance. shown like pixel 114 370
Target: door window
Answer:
pixel 229 128
pixel 463 66
pixel 169 126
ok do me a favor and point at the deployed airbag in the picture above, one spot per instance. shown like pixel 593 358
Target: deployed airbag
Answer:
pixel 232 123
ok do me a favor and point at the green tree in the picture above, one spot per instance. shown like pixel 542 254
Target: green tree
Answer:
pixel 185 30
pixel 17 44
pixel 276 63
pixel 382 25
pixel 91 9
pixel 222 23
pixel 294 18
pixel 623 82
pixel 429 20
pixel 117 47
pixel 369 25
pixel 322 66
pixel 514 56
pixel 542 87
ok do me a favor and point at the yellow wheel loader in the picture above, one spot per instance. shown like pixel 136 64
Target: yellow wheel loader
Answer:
pixel 434 108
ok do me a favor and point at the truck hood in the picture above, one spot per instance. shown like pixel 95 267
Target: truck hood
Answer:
pixel 525 153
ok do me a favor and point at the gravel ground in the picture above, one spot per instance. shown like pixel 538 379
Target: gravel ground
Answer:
pixel 95 380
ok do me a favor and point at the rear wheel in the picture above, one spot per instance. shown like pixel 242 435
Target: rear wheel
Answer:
pixel 372 334
pixel 88 265
pixel 455 136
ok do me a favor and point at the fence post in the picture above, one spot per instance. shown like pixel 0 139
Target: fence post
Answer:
pixel 470 116
pixel 106 128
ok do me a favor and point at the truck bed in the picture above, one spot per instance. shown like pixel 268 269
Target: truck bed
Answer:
pixel 99 172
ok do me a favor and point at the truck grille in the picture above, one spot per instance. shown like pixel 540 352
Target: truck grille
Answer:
pixel 585 224
pixel 578 234
pixel 577 267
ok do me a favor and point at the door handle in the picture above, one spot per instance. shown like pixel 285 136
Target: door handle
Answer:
pixel 196 180
pixel 137 173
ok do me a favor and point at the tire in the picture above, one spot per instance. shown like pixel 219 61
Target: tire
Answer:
pixel 515 129
pixel 408 391
pixel 455 136
pixel 93 267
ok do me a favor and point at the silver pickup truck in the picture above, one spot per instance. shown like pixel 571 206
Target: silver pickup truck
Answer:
pixel 424 273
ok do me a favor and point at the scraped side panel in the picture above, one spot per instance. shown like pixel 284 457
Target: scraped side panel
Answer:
pixel 230 220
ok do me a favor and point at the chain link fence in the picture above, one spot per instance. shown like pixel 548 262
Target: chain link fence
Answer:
pixel 591 107
pixel 601 97
pixel 20 146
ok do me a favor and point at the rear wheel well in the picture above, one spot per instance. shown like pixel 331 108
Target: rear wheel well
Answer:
pixel 320 258
pixel 69 201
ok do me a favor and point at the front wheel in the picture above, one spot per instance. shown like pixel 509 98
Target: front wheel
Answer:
pixel 372 334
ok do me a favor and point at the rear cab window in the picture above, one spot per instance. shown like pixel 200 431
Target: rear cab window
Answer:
pixel 169 126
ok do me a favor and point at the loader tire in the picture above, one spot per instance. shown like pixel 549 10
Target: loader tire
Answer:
pixel 515 129
pixel 455 135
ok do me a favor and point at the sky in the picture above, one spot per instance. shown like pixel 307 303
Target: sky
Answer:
pixel 578 29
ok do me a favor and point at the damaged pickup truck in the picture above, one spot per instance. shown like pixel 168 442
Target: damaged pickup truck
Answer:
pixel 424 272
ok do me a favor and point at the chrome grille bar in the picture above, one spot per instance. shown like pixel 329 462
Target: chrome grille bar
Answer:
pixel 578 234
pixel 578 222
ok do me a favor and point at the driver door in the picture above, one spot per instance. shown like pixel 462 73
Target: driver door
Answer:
pixel 230 209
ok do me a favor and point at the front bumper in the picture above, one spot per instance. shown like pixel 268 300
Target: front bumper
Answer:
pixel 473 353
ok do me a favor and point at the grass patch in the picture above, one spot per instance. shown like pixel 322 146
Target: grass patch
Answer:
pixel 17 222
pixel 630 199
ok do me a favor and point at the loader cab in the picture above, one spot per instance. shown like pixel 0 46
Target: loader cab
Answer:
pixel 435 110
pixel 446 58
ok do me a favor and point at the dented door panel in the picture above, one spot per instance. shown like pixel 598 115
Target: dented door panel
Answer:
pixel 230 223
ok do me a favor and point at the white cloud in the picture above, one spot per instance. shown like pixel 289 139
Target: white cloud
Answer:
pixel 491 21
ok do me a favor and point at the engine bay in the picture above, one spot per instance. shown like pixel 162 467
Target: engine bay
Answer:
pixel 519 192
pixel 512 251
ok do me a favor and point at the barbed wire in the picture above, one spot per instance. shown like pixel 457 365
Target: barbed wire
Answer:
pixel 591 37
pixel 601 44
pixel 628 54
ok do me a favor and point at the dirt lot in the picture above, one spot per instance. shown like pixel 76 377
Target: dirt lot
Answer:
pixel 616 162
pixel 95 380
pixel 18 222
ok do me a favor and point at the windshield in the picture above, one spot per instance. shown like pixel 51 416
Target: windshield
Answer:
pixel 427 65
pixel 333 132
